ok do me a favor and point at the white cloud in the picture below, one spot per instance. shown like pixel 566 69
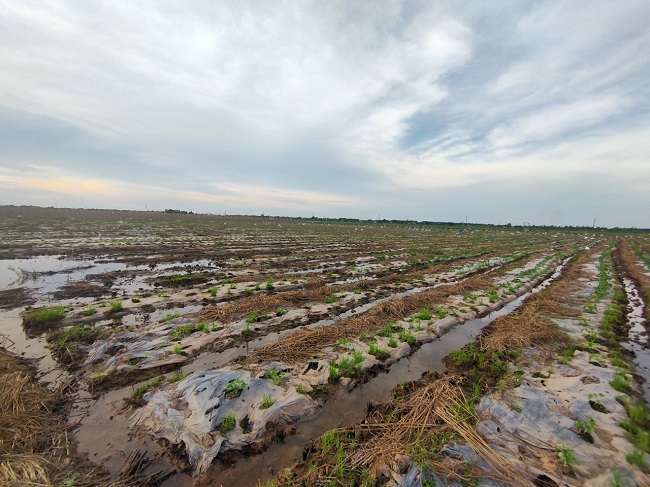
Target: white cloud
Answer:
pixel 400 95
pixel 559 119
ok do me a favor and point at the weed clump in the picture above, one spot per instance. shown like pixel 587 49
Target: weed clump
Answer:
pixel 38 319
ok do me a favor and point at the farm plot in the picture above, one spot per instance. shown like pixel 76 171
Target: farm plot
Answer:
pixel 544 396
pixel 221 336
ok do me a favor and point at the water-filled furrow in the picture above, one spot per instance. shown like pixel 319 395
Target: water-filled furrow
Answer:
pixel 637 335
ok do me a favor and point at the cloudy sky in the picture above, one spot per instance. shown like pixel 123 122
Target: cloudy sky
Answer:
pixel 492 111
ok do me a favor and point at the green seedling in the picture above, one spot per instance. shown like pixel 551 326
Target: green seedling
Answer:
pixel 566 455
pixel 169 317
pixel 235 387
pixel 267 401
pixel 228 423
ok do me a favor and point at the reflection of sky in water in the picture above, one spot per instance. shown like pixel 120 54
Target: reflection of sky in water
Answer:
pixel 48 273
pixel 637 339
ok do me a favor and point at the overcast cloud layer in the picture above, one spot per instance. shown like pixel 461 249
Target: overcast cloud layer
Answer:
pixel 514 112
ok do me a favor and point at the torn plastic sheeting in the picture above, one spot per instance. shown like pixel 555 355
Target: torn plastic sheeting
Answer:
pixel 414 477
pixel 536 420
pixel 192 411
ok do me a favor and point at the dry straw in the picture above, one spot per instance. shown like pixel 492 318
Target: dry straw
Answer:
pixel 35 445
pixel 396 429
pixel 301 345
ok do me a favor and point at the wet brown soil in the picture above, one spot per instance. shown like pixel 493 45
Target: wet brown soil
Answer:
pixel 16 298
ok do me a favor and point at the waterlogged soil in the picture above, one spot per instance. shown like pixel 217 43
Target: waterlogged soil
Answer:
pixel 154 289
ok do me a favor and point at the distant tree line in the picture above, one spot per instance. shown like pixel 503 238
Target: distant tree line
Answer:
pixel 13 211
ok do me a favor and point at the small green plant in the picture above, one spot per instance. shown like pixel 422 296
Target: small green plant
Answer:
pixel 342 342
pixel 348 367
pixel 637 412
pixel 177 376
pixel 566 455
pixel 332 298
pixel 637 458
pixel 591 335
pixel 89 311
pixel 169 317
pixel 440 311
pixel 493 295
pixel 407 337
pixel 269 285
pixel 515 406
pixel 378 352
pixel 334 372
pixel 424 314
pixel 586 426
pixel 589 308
pixel 44 315
pixel 567 353
pixel 228 423
pixel 276 376
pixel 235 387
pixel 300 389
pixel 330 441
pixel 138 392
pixel 386 330
pixel 267 401
pixel 620 381
pixel 182 330
pixel 251 317
pixel 357 356
pixel 178 349
pixel 617 478
pixel 116 305
pixel 618 362
pixel 213 291
pixel 392 343
pixel 280 311
pixel 202 326
pixel 463 410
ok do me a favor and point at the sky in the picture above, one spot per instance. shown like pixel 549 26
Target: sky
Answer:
pixel 490 112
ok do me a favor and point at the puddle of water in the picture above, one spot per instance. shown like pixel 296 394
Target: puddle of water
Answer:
pixel 48 273
pixel 637 339
pixel 13 338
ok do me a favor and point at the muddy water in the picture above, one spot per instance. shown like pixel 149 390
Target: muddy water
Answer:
pixel 637 338
pixel 348 407
pixel 14 340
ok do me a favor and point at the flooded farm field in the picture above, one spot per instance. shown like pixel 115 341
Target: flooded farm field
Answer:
pixel 218 350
